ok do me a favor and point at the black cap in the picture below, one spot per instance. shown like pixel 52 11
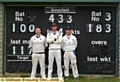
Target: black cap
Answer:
pixel 53 24
pixel 68 28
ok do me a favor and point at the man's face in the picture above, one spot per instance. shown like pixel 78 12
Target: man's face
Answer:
pixel 37 31
pixel 68 31
pixel 54 28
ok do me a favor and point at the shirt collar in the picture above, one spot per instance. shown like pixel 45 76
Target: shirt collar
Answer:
pixel 37 36
pixel 67 35
pixel 55 32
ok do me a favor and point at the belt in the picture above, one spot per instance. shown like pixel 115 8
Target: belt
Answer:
pixel 55 49
pixel 39 52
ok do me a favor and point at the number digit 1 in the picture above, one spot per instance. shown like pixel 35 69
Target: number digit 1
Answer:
pixel 13 28
pixel 14 49
pixel 89 28
pixel 22 50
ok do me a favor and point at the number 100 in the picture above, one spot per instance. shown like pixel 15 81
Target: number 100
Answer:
pixel 23 28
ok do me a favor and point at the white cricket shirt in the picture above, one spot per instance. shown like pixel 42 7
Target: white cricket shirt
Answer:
pixel 51 40
pixel 69 43
pixel 38 43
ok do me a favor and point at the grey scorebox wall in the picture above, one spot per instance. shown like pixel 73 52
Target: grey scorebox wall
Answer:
pixel 1 23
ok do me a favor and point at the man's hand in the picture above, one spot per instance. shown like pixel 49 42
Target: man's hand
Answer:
pixel 45 47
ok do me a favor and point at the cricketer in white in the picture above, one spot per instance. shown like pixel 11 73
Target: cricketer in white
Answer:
pixel 69 44
pixel 54 38
pixel 38 44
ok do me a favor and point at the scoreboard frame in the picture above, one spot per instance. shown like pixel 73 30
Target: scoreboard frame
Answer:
pixel 117 40
pixel 59 1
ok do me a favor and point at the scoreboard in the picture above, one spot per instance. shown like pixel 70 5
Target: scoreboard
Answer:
pixel 94 27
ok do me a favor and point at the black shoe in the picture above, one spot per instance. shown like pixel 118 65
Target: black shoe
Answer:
pixel 76 79
pixel 66 77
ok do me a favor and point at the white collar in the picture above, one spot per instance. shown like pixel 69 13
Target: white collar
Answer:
pixel 68 36
pixel 38 36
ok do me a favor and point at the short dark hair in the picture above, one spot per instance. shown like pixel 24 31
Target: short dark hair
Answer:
pixel 37 28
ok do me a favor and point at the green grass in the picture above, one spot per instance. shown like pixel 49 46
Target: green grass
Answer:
pixel 102 79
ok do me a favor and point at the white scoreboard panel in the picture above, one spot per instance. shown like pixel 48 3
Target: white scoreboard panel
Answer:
pixel 94 27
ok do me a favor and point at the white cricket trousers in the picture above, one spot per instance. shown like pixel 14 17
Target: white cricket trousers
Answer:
pixel 70 56
pixel 35 59
pixel 57 55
